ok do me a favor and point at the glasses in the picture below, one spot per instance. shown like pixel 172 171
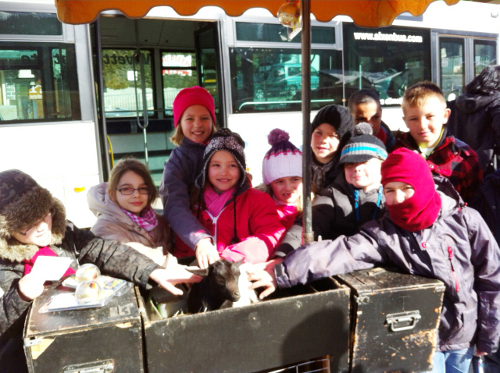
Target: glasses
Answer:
pixel 127 191
pixel 37 224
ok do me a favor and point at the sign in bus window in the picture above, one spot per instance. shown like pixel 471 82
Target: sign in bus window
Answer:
pixel 388 60
pixel 121 71
pixel 178 72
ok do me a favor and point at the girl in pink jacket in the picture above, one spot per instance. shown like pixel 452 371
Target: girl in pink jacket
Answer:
pixel 243 221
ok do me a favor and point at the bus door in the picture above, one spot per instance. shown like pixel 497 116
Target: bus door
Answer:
pixel 461 58
pixel 145 63
pixel 208 56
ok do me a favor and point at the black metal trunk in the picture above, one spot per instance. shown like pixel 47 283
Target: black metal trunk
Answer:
pixel 283 331
pixel 107 339
pixel 394 321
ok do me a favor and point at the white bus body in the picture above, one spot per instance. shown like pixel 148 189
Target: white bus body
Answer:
pixel 245 62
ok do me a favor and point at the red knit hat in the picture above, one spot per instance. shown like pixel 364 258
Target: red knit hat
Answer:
pixel 192 96
pixel 421 210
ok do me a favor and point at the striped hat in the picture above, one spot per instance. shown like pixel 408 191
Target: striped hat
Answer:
pixel 363 147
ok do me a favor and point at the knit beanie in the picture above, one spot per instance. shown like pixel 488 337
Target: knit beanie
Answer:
pixel 338 117
pixel 363 147
pixel 422 209
pixel 283 159
pixel 23 203
pixel 192 96
pixel 231 142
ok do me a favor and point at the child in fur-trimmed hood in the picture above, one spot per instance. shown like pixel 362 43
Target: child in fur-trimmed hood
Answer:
pixel 33 223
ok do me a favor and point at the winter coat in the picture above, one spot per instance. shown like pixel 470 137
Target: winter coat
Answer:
pixel 475 119
pixel 334 214
pixel 287 215
pixel 451 158
pixel 113 258
pixel 487 202
pixel 113 224
pixel 179 174
pixel 257 227
pixel 457 249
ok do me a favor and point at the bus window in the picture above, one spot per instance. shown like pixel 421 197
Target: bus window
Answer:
pixel 38 83
pixel 389 60
pixel 178 72
pixel 267 79
pixel 452 66
pixel 121 71
pixel 485 52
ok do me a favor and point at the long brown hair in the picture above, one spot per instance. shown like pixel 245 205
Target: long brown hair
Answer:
pixel 139 168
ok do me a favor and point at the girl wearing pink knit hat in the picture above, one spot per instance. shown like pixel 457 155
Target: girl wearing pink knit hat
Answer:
pixel 282 175
pixel 194 121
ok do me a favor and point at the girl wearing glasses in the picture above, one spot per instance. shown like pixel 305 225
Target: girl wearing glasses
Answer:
pixel 124 212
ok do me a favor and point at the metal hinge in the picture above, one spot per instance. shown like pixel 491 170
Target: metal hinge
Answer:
pixel 32 342
pixel 402 320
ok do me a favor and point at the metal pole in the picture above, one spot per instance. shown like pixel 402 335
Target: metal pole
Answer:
pixel 307 234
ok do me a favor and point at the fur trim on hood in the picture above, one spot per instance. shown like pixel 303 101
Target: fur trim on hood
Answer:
pixel 23 213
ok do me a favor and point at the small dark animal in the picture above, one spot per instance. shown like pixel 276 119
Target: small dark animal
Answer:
pixel 218 288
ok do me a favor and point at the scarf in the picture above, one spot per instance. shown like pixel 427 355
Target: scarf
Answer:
pixel 43 251
pixel 320 170
pixel 147 220
pixel 422 209
pixel 215 202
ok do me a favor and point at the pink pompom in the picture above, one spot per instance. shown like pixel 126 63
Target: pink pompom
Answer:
pixel 277 135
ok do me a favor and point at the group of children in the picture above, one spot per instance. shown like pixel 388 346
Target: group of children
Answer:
pixel 373 206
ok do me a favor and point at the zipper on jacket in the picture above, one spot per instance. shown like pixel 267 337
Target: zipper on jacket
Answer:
pixel 450 256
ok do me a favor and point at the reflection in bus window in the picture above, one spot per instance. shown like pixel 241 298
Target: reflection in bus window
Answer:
pixel 38 83
pixel 485 53
pixel 389 60
pixel 121 71
pixel 271 79
pixel 452 67
pixel 178 72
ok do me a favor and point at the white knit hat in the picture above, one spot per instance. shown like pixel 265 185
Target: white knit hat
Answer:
pixel 283 159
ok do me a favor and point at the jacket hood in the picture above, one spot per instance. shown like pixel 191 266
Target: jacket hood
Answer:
pixel 31 208
pixel 469 103
pixel 450 198
pixel 104 208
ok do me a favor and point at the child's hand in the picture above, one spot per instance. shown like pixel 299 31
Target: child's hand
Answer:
pixel 206 253
pixel 30 286
pixel 263 276
pixel 168 278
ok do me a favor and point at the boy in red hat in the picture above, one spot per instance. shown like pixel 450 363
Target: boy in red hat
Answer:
pixel 425 233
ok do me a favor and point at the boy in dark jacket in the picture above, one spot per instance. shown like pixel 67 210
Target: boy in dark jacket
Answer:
pixel 354 198
pixel 33 224
pixel 425 233
pixel 425 115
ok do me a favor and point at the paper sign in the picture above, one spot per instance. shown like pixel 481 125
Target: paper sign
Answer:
pixel 51 268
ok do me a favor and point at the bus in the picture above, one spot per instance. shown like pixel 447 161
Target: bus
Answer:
pixel 96 93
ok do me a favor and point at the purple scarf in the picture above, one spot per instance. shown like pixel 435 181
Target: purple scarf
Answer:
pixel 147 220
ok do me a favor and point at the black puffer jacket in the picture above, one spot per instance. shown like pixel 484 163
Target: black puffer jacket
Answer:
pixel 457 249
pixel 113 258
pixel 475 119
pixel 334 214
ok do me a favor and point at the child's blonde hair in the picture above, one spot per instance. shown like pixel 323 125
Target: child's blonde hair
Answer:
pixel 178 135
pixel 418 94
pixel 139 168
